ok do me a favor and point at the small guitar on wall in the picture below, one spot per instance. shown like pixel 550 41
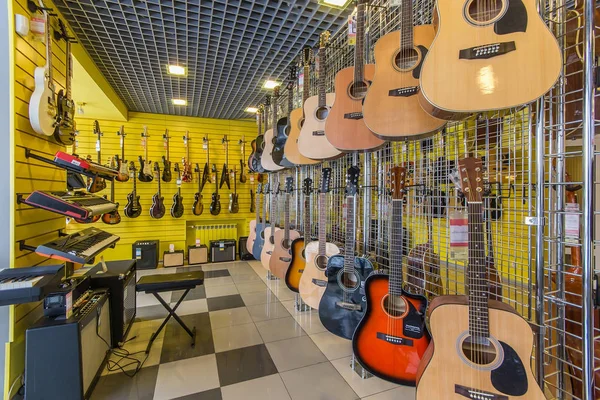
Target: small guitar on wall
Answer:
pixel 234 206
pixel 166 173
pixel 64 132
pixel 157 210
pixel 122 164
pixel 206 172
pixel 391 339
pixel 177 207
pixel 96 184
pixel 343 304
pixel 186 174
pixel 242 143
pixel 198 207
pixel 133 208
pixel 225 171
pixel 298 263
pixel 145 173
pixel 113 217
pixel 215 204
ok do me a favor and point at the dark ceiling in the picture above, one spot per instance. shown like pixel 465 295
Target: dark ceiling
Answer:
pixel 229 47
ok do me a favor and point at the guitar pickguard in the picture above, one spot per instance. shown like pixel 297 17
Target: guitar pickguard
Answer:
pixel 515 19
pixel 510 377
pixel 417 71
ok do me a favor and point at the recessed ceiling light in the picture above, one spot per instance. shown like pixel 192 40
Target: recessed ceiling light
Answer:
pixel 252 110
pixel 335 3
pixel 179 102
pixel 176 70
pixel 269 84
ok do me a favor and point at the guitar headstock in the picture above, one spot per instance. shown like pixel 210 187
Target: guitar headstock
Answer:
pixel 197 168
pixel 145 132
pixel 176 167
pixel 306 55
pixel 121 131
pixel 289 185
pixel 398 181
pixel 307 187
pixel 166 135
pixel 132 166
pixel 97 131
pixel 325 180
pixel 352 180
pixel 324 39
pixel 471 181
pixel 259 188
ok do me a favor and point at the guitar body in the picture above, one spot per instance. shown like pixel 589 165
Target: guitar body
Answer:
pixel 445 369
pixel 41 111
pixel 251 236
pixel 177 207
pixel 297 265
pixel 198 207
pixel 312 141
pixel 123 170
pixel 380 340
pixel 313 280
pixel 133 208
pixel 266 159
pixel 282 254
pixel 96 185
pixel 113 217
pixel 257 149
pixel 215 204
pixel 339 320
pixel 526 66
pixel 157 210
pixel 166 174
pixel 225 177
pixel 205 175
pixel 424 271
pixel 268 247
pixel 279 141
pixel 142 177
pixel 398 115
pixel 148 171
pixel 291 150
pixel 259 240
pixel 344 133
pixel 234 206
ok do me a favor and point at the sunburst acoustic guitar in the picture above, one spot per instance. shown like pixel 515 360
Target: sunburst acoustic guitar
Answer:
pixel 294 272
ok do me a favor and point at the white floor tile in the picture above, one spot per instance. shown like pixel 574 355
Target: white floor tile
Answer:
pixel 320 381
pixel 266 388
pixel 332 346
pixel 191 307
pixel 218 291
pixel 362 387
pixel 229 317
pixel 183 377
pixel 279 329
pixel 235 337
pixel 295 353
pixel 400 393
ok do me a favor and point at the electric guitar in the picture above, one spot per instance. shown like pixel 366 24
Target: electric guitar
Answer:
pixel 242 143
pixel 225 171
pixel 272 228
pixel 312 142
pixel 166 173
pixel 96 184
pixel 64 131
pixel 282 254
pixel 343 304
pixel 122 164
pixel 497 55
pixel 206 172
pixel 481 348
pixel 198 207
pixel 345 127
pixel 313 280
pixel 133 208
pixel 186 174
pixel 261 226
pixel 266 159
pixel 283 126
pixel 391 339
pixel 234 206
pixel 391 108
pixel 255 222
pixel 252 205
pixel 157 210
pixel 215 205
pixel 145 173
pixel 177 207
pixel 113 217
pixel 258 143
pixel 294 272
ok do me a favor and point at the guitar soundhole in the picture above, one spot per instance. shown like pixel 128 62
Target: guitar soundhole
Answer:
pixel 300 125
pixel 358 90
pixel 394 305
pixel 483 12
pixel 349 280
pixel 479 351
pixel 406 59
pixel 321 262
pixel 322 113
pixel 286 244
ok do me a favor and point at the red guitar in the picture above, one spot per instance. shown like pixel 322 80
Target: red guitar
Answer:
pixel 391 338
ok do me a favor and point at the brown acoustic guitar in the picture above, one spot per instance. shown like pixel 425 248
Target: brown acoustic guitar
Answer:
pixel 294 272
pixel 481 348
pixel 345 127
pixel 391 109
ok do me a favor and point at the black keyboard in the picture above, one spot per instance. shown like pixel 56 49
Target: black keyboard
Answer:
pixel 80 247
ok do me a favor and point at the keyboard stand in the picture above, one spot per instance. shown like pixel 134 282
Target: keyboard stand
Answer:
pixel 171 311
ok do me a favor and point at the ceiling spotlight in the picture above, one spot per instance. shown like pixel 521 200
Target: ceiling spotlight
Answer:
pixel 176 70
pixel 269 84
pixel 251 110
pixel 335 3
pixel 179 102
pixel 80 109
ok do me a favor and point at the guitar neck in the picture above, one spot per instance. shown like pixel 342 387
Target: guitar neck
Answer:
pixel 305 85
pixel 49 49
pixel 321 86
pixel 306 220
pixel 477 275
pixel 350 243
pixel 264 208
pixel 69 68
pixel 272 213
pixel 395 281
pixel 257 207
pixel 406 36
pixel 322 224
pixel 359 48
pixel 286 222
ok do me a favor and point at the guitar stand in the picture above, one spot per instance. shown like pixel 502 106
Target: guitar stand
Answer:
pixel 299 304
pixel 360 371
pixel 271 277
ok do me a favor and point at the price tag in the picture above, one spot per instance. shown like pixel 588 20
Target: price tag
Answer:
pixel 178 182
pixel 352 29
pixel 69 304
pixel 171 248
pixel 252 179
pixel 97 145
pixel 138 253
pixel 459 235
pixel 572 224
pixel 213 177
pixel 185 140
pixel 205 145
pixel 197 242
pixel 301 79
pixel 395 3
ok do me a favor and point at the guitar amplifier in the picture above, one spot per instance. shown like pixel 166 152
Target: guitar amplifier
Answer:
pixel 197 254
pixel 244 255
pixel 173 259
pixel 145 252
pixel 222 250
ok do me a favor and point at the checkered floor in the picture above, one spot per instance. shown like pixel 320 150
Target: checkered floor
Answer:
pixel 251 344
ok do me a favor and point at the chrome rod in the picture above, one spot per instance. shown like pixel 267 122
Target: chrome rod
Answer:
pixel 539 240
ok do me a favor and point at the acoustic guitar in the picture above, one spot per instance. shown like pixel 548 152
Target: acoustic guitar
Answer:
pixel 255 222
pixel 122 164
pixel 266 159
pixel 145 174
pixel 64 131
pixel 258 143
pixel 272 227
pixel 294 272
pixel 261 226
pixel 133 208
pixel 312 142
pixel 282 254
pixel 313 280
pixel 297 118
pixel 392 337
pixel 157 209
pixel 481 348
pixel 345 127
pixel 343 303
pixel 283 126
pixel 198 207
pixel 391 108
pixel 166 172
pixel 497 55
pixel 177 208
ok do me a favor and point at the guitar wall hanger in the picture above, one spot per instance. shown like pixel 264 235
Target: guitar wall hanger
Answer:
pixel 27 247
pixel 33 7
pixel 61 34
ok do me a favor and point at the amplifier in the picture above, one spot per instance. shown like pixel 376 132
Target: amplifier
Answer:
pixel 197 254
pixel 222 250
pixel 173 259
pixel 145 252
pixel 244 255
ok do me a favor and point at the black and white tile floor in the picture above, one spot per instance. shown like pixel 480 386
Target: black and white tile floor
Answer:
pixel 251 344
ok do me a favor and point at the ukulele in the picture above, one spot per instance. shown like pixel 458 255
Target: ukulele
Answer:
pixel 343 303
pixel 312 142
pixel 242 164
pixel 313 280
pixel 225 170
pixel 166 173
pixel 198 207
pixel 497 55
pixel 206 172
pixel 345 127
pixel 186 175
pixel 64 131
pixel 391 108
pixel 234 205
pixel 96 184
pixel 133 208
pixel 481 348
pixel 113 217
pixel 42 104
pixel 145 173
pixel 255 222
pixel 283 126
pixel 391 339
pixel 157 209
pixel 177 207
pixel 266 159
pixel 258 143
pixel 282 254
pixel 298 262
pixel 297 118
pixel 261 226
pixel 269 233
pixel 215 204
pixel 122 164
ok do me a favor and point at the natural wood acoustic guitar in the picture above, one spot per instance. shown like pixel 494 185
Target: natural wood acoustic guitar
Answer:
pixel 266 159
pixel 272 228
pixel 282 254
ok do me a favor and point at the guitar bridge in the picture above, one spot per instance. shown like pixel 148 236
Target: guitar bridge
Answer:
pixel 319 282
pixel 318 133
pixel 487 51
pixel 285 259
pixel 348 306
pixel 400 341
pixel 476 394
pixel 301 270
pixel 354 115
pixel 404 92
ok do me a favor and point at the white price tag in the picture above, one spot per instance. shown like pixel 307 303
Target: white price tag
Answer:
pixel 459 235
pixel 178 182
pixel 352 29
pixel 572 224
pixel 97 145
pixel 395 3
pixel 171 248
pixel 197 242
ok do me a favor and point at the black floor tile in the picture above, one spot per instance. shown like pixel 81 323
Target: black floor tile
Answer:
pixel 213 394
pixel 177 343
pixel 244 364
pixel 225 302
pixel 197 293
pixel 118 386
pixel 216 273
pixel 190 268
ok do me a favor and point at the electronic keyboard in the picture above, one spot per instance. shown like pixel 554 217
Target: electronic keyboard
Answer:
pixel 24 285
pixel 80 247
pixel 74 163
pixel 80 205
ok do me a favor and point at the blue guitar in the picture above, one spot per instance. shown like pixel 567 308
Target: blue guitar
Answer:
pixel 260 227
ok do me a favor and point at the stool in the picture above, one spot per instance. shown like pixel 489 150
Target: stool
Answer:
pixel 156 284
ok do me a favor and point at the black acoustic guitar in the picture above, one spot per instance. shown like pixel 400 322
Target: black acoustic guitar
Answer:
pixel 215 204
pixel 157 210
pixel 133 209
pixel 177 207
pixel 198 207
pixel 225 170
pixel 283 126
pixel 234 206
pixel 166 174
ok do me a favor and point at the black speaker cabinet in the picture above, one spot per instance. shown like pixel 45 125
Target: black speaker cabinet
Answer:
pixel 244 255
pixel 222 250
pixel 145 252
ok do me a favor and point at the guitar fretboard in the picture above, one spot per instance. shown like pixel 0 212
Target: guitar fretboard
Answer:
pixel 349 245
pixel 395 281
pixel 286 223
pixel 359 48
pixel 322 71
pixel 322 224
pixel 306 219
pixel 477 275
pixel 257 207
pixel 406 38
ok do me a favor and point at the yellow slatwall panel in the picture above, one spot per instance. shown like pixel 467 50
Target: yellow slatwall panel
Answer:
pixel 170 230
pixel 32 225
